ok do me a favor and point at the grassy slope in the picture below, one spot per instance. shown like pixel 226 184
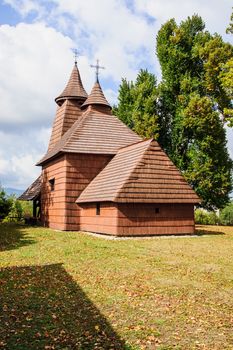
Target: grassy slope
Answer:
pixel 67 290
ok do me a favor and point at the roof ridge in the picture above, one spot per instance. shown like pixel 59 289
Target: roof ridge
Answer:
pixel 133 144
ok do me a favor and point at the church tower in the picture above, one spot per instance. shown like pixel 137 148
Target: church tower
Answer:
pixel 69 103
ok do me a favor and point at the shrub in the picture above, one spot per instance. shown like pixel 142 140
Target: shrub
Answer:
pixel 5 204
pixel 206 218
pixel 226 215
pixel 27 208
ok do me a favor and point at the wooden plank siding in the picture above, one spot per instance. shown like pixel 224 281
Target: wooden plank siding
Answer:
pixel 106 222
pixel 72 173
pixel 138 219
pixel 53 206
pixel 152 219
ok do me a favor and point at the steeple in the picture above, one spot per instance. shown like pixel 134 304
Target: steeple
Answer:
pixel 74 89
pixel 96 97
pixel 69 106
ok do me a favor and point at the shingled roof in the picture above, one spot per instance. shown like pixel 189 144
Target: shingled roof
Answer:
pixel 96 97
pixel 32 191
pixel 94 133
pixel 140 173
pixel 74 88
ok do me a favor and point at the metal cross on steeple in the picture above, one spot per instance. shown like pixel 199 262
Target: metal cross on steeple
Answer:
pixel 76 54
pixel 97 67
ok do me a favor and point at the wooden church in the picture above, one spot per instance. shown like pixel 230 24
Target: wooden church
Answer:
pixel 99 176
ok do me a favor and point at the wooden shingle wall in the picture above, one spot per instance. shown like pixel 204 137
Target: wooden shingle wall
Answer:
pixel 150 219
pixel 72 173
pixel 53 207
pixel 105 223
pixel 80 171
pixel 138 219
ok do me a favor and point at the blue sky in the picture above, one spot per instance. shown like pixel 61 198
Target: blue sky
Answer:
pixel 36 42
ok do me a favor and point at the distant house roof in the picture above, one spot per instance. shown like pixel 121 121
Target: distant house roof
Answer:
pixel 96 97
pixel 140 173
pixel 32 191
pixel 74 88
pixel 94 133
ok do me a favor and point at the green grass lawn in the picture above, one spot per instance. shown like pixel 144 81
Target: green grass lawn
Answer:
pixel 69 290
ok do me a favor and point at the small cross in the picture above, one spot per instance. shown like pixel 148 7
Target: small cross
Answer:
pixel 76 54
pixel 97 67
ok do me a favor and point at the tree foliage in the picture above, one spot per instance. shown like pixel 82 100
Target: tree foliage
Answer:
pixel 137 104
pixel 226 215
pixel 192 63
pixel 229 29
pixel 206 218
pixel 125 103
pixel 16 210
pixel 226 78
pixel 187 112
pixel 5 204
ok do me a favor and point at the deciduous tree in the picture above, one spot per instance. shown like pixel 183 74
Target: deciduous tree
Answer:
pixel 192 63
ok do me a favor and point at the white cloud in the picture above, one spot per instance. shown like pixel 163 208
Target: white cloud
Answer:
pixel 24 7
pixel 19 153
pixel 111 96
pixel 32 73
pixel 37 61
pixel 119 38
pixel 216 14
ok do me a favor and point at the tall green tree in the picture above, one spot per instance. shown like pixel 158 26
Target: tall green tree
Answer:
pixel 137 104
pixel 226 78
pixel 187 112
pixel 125 103
pixel 229 29
pixel 195 100
pixel 144 113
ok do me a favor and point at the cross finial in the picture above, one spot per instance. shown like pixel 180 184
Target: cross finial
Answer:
pixel 76 53
pixel 97 67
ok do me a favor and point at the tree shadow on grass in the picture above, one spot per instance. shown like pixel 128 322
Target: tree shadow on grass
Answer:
pixel 205 230
pixel 43 308
pixel 13 237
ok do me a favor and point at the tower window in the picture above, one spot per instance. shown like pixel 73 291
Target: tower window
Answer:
pixel 156 210
pixel 97 208
pixel 52 184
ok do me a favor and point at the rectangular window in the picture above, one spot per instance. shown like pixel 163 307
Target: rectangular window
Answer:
pixel 97 208
pixel 52 184
pixel 156 210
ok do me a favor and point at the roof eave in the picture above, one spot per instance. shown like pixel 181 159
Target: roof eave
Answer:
pixel 44 161
pixel 130 201
pixel 70 97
